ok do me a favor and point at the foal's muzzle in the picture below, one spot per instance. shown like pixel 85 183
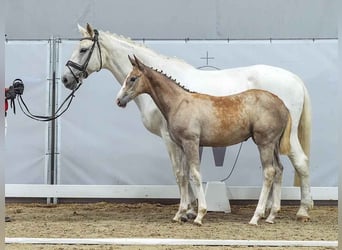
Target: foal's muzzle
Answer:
pixel 121 103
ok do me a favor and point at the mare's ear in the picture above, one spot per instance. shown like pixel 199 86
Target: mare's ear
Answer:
pixel 139 64
pixel 82 30
pixel 90 30
pixel 132 61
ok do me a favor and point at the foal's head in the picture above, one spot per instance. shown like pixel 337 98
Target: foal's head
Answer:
pixel 134 83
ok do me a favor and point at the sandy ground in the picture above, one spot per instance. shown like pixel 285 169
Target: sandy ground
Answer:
pixel 153 220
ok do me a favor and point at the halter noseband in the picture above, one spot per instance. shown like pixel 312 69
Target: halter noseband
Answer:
pixel 83 68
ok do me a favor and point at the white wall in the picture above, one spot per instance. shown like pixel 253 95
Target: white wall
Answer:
pixel 177 19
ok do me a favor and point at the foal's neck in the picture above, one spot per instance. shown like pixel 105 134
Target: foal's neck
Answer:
pixel 166 93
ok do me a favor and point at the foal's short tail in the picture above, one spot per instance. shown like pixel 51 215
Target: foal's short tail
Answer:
pixel 284 144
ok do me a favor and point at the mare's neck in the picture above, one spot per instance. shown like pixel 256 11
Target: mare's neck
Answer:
pixel 166 94
pixel 115 50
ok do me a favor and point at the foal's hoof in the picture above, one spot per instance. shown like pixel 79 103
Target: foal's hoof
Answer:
pixel 269 221
pixel 253 224
pixel 198 223
pixel 254 221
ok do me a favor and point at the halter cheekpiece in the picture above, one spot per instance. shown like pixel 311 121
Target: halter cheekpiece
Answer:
pixel 83 68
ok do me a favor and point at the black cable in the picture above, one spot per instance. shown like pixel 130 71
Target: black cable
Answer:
pixel 234 165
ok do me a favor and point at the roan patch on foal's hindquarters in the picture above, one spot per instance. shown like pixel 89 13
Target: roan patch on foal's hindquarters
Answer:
pixel 197 120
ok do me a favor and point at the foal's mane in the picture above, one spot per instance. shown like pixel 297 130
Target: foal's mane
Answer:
pixel 169 78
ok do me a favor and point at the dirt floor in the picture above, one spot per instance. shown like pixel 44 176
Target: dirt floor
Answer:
pixel 153 220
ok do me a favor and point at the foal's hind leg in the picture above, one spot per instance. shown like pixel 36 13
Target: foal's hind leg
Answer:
pixel 300 162
pixel 266 156
pixel 276 189
pixel 269 202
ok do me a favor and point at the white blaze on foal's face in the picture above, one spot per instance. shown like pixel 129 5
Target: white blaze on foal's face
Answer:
pixel 132 86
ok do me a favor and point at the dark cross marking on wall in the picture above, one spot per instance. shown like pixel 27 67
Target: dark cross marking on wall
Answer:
pixel 218 152
pixel 207 58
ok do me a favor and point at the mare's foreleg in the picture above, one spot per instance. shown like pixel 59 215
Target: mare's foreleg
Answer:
pixel 266 156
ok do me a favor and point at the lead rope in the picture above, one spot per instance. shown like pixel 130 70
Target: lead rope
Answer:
pixel 42 118
pixel 69 64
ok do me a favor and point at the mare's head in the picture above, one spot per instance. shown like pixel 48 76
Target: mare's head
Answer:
pixel 85 59
pixel 134 83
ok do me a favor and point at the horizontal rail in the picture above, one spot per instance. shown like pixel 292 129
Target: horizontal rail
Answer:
pixel 156 241
pixel 149 192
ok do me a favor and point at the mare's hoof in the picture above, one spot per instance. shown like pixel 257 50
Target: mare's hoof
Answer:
pixel 191 216
pixel 303 218
pixel 180 220
pixel 184 218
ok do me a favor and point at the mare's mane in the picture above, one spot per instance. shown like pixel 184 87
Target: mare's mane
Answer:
pixel 131 43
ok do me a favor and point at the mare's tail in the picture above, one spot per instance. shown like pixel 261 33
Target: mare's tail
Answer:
pixel 304 127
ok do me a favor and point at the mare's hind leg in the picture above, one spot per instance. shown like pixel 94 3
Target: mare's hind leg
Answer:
pixel 300 162
pixel 266 156
pixel 276 189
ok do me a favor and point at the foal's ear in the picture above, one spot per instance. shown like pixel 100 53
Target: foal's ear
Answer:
pixel 132 61
pixel 139 64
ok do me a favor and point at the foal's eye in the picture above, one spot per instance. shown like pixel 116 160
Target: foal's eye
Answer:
pixel 83 50
pixel 133 78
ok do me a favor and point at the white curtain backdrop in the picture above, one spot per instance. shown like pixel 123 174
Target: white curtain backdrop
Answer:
pixel 27 140
pixel 99 143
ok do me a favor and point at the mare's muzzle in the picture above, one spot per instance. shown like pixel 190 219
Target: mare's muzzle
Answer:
pixel 81 68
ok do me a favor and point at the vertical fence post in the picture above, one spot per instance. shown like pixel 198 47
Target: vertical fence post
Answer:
pixel 53 103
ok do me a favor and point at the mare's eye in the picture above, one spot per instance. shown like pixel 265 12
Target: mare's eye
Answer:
pixel 83 50
pixel 133 78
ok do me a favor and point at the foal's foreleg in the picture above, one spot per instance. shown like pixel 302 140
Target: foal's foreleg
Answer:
pixel 183 182
pixel 186 195
pixel 191 150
